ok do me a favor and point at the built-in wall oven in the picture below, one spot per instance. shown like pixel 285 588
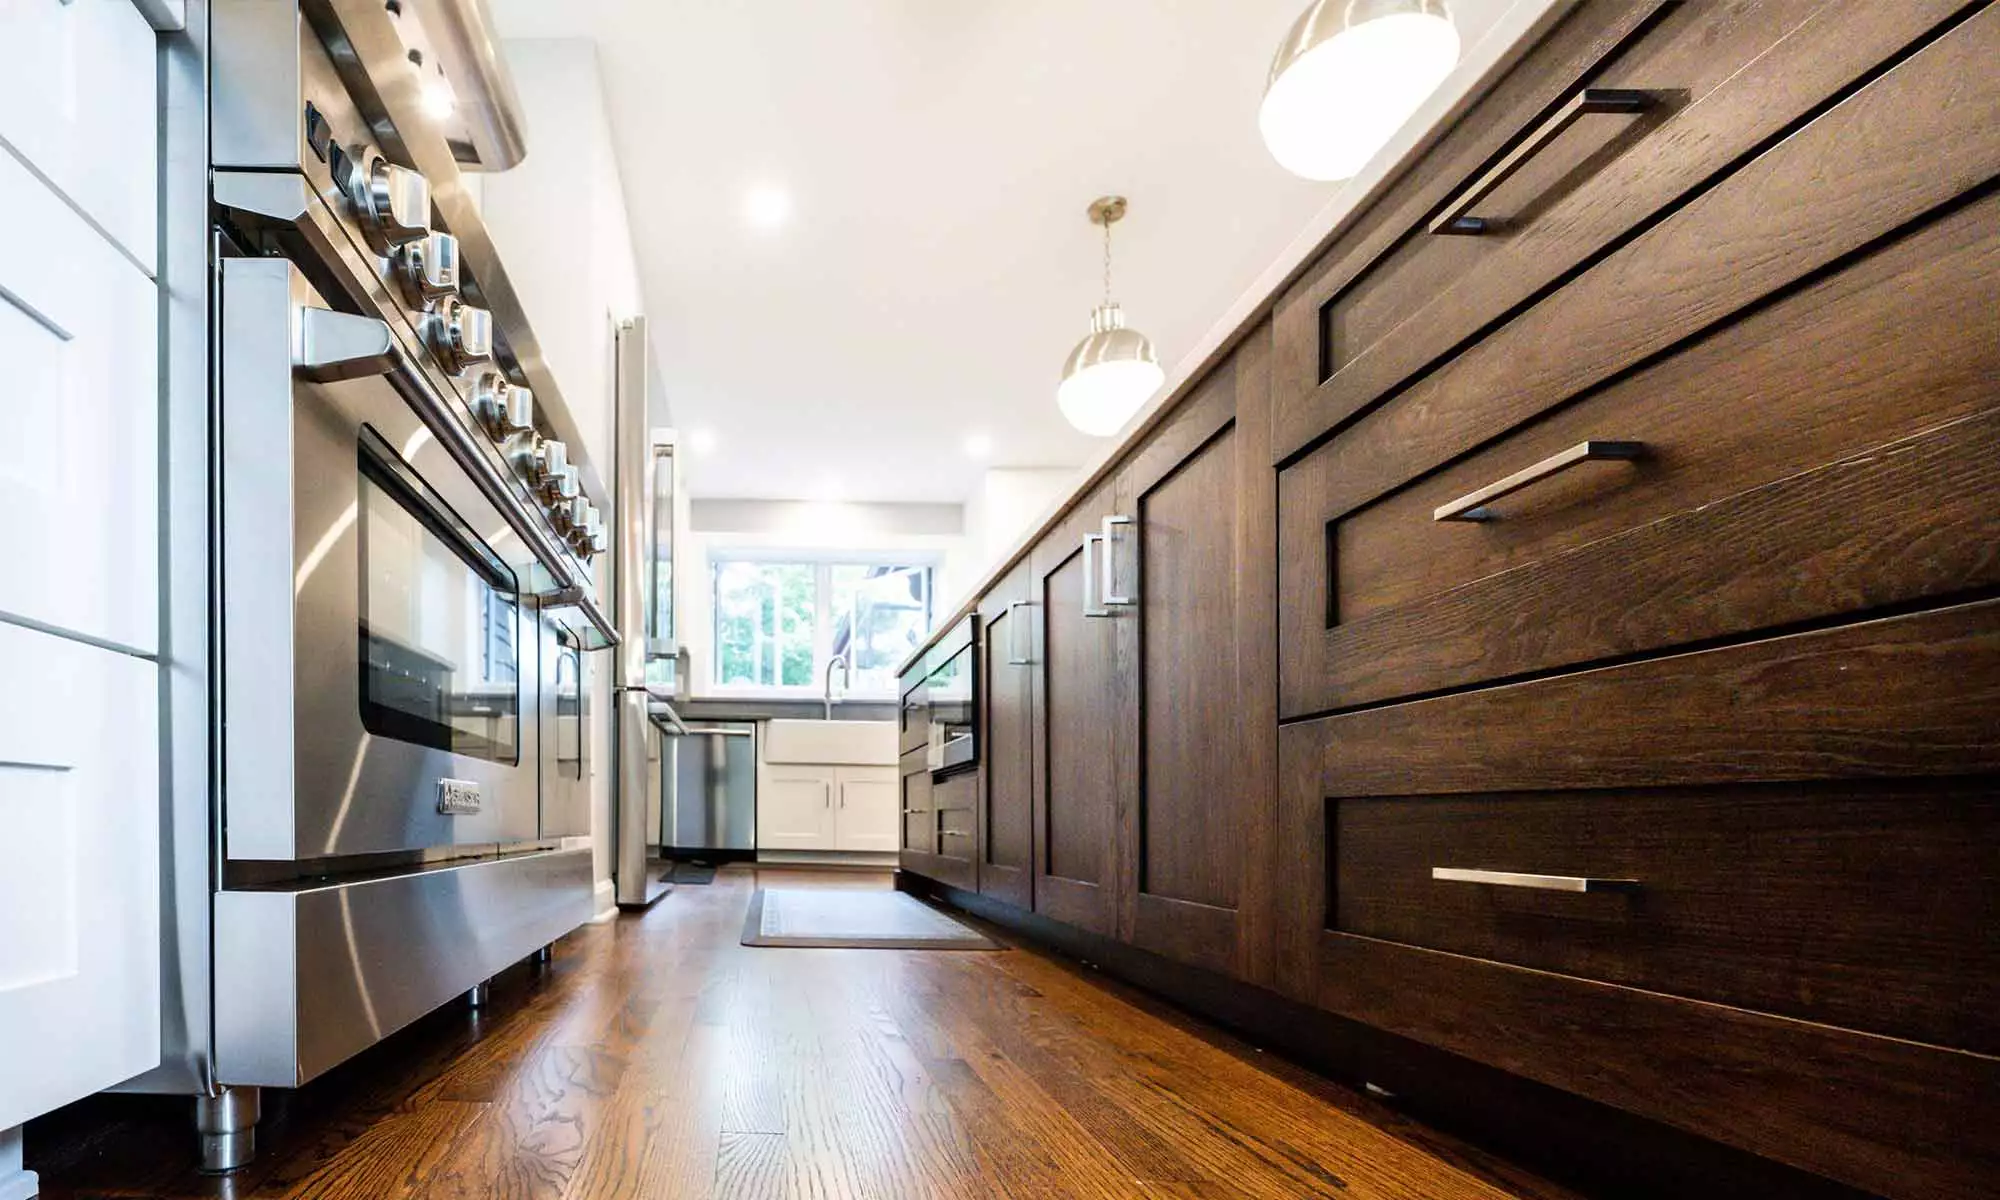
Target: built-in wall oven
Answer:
pixel 407 545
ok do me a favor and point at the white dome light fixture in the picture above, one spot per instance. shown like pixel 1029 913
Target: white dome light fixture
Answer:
pixel 1346 78
pixel 1113 371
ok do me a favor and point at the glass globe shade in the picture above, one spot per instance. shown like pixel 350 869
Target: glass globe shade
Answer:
pixel 1098 399
pixel 1328 110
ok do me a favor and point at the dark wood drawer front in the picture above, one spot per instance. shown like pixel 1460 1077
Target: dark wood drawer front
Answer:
pixel 1680 102
pixel 919 823
pixel 1916 695
pixel 1915 137
pixel 1867 906
pixel 1812 459
pixel 956 800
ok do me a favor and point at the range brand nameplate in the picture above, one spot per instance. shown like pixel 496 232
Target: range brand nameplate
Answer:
pixel 458 796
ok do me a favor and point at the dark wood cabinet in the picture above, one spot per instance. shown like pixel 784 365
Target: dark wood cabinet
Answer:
pixel 1196 722
pixel 1671 779
pixel 1007 776
pixel 1080 809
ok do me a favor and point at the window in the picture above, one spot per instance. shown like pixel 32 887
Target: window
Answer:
pixel 778 623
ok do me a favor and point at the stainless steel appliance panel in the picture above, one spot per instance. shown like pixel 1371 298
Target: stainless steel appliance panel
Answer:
pixel 709 778
pixel 566 733
pixel 307 975
pixel 305 775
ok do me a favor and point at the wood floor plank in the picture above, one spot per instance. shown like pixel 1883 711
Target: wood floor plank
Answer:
pixel 661 1058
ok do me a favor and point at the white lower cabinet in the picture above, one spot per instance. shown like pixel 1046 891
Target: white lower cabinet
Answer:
pixel 867 808
pixel 79 334
pixel 79 871
pixel 807 806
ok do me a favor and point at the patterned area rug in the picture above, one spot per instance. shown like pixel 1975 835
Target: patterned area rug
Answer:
pixel 880 920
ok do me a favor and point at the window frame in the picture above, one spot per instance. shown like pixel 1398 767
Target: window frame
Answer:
pixel 823 563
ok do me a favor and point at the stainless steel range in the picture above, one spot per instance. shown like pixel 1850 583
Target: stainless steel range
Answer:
pixel 407 558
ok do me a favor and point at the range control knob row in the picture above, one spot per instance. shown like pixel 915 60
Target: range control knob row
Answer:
pixel 392 203
pixel 460 334
pixel 427 268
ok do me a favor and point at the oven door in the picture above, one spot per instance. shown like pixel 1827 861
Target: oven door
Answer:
pixel 381 666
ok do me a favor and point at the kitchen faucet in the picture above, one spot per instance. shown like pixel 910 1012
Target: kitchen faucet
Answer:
pixel 826 693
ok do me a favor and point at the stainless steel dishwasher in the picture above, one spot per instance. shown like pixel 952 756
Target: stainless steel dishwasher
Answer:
pixel 708 791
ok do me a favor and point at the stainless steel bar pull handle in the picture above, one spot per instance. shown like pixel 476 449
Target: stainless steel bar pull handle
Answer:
pixel 1456 217
pixel 1110 594
pixel 1472 505
pixel 1091 608
pixel 1539 883
pixel 1016 657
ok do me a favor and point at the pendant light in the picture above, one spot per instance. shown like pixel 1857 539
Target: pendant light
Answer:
pixel 1114 370
pixel 1346 78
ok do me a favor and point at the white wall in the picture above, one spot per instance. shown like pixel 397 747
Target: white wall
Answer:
pixel 925 532
pixel 1006 502
pixel 559 223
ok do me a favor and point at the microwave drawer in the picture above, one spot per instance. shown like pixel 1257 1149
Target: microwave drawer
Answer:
pixel 1832 453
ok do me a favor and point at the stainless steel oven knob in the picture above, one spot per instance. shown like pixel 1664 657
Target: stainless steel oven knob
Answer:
pixel 580 511
pixel 491 394
pixel 585 539
pixel 526 455
pixel 392 203
pixel 569 484
pixel 600 540
pixel 519 416
pixel 428 268
pixel 551 460
pixel 461 335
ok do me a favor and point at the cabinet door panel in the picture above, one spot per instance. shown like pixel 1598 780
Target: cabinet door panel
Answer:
pixel 867 808
pixel 795 809
pixel 1076 711
pixel 1007 776
pixel 78 101
pixel 79 871
pixel 79 337
pixel 1191 843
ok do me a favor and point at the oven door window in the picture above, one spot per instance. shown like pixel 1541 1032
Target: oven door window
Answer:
pixel 440 619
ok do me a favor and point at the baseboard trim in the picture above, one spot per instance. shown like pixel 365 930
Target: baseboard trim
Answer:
pixel 1588 1146
pixel 603 901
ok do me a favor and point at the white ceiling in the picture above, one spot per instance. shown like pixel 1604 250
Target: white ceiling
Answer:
pixel 937 265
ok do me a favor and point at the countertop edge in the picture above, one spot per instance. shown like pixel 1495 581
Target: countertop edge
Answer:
pixel 1510 38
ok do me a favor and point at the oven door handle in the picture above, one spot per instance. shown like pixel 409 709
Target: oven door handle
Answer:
pixel 334 345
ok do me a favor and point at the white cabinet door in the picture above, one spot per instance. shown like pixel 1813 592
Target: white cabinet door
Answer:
pixel 79 871
pixel 867 808
pixel 79 338
pixel 78 87
pixel 795 808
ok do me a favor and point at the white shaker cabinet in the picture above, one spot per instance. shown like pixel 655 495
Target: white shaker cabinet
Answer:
pixel 79 471
pixel 79 871
pixel 79 94
pixel 867 808
pixel 814 806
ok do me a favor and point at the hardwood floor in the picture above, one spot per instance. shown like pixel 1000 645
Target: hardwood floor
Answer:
pixel 660 1058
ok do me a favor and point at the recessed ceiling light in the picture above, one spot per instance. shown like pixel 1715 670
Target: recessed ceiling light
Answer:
pixel 978 445
pixel 702 441
pixel 767 207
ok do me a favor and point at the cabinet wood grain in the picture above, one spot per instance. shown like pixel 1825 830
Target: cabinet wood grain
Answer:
pixel 1007 746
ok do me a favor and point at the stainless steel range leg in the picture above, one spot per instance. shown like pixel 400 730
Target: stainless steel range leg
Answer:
pixel 227 1123
pixel 478 994
pixel 546 955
